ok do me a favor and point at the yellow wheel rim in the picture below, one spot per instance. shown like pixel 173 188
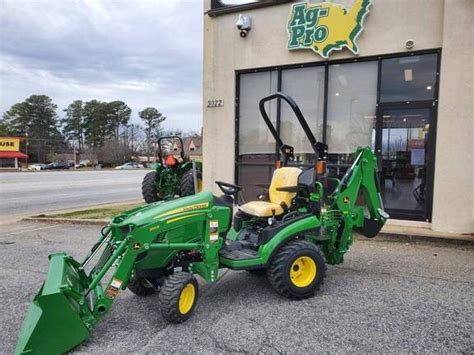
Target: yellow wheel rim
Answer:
pixel 303 271
pixel 199 185
pixel 186 299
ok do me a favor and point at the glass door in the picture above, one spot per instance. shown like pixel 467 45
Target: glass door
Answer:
pixel 405 146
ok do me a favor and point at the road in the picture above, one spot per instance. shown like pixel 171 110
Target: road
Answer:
pixel 28 193
pixel 388 297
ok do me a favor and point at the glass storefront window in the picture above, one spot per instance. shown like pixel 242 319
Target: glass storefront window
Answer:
pixel 404 156
pixel 254 136
pixel 408 78
pixel 306 87
pixel 351 113
pixel 352 102
pixel 403 114
pixel 7 162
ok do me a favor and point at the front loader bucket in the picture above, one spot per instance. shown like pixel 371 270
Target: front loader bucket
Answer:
pixel 56 320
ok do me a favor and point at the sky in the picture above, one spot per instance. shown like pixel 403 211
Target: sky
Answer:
pixel 143 52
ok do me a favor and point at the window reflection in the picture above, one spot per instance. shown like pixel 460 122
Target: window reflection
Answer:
pixel 408 78
pixel 306 87
pixel 254 136
pixel 352 99
pixel 405 135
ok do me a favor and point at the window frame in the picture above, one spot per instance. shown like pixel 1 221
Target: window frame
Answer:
pixel 326 64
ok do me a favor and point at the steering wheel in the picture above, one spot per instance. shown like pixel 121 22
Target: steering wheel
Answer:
pixel 228 189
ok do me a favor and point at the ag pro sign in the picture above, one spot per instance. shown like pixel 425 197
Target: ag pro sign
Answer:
pixel 325 27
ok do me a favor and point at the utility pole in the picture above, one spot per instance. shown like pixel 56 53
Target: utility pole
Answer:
pixel 75 152
pixel 131 137
pixel 75 155
pixel 26 149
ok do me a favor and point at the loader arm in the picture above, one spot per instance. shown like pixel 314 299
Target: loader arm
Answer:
pixel 77 295
pixel 344 214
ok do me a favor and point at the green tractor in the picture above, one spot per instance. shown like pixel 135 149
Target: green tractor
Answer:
pixel 159 248
pixel 172 176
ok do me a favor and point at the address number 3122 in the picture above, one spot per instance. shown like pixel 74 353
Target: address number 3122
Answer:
pixel 215 103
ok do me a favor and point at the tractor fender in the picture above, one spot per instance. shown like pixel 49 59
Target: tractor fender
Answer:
pixel 157 166
pixel 308 225
pixel 188 165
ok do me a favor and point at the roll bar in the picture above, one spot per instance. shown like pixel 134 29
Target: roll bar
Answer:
pixel 319 148
pixel 170 138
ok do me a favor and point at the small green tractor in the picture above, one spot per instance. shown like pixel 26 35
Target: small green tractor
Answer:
pixel 172 176
pixel 158 248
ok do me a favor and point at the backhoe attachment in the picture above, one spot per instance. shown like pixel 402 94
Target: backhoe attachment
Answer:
pixel 344 214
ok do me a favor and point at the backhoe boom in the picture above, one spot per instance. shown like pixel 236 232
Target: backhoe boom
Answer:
pixel 344 214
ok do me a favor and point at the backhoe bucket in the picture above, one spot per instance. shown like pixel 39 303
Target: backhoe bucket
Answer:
pixel 56 320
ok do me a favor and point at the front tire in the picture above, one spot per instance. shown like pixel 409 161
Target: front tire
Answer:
pixel 178 297
pixel 297 270
pixel 187 183
pixel 149 192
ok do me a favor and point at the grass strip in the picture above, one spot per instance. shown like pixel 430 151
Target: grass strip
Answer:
pixel 95 213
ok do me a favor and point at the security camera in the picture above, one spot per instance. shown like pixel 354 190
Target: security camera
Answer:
pixel 409 44
pixel 244 24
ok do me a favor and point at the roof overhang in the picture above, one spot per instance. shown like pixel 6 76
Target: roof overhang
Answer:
pixel 19 155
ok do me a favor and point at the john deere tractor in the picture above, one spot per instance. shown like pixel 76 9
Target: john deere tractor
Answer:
pixel 174 174
pixel 158 249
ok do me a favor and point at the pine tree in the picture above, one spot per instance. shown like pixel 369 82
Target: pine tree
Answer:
pixel 95 123
pixel 153 119
pixel 73 123
pixel 118 116
pixel 35 118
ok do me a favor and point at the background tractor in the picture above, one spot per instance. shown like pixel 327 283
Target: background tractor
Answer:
pixel 157 249
pixel 174 174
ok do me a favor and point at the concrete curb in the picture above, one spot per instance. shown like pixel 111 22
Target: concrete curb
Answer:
pixel 85 221
pixel 86 208
pixel 44 217
pixel 414 238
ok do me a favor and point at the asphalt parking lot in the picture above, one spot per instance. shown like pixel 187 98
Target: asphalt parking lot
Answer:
pixel 388 297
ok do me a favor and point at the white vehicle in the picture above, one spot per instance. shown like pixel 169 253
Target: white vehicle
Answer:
pixel 83 164
pixel 36 167
pixel 129 166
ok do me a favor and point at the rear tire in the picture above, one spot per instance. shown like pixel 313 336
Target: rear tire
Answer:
pixel 149 192
pixel 297 270
pixel 141 287
pixel 178 297
pixel 187 183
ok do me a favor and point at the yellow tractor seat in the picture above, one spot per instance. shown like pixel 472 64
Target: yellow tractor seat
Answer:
pixel 279 200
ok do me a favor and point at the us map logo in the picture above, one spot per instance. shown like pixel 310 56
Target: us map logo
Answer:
pixel 326 26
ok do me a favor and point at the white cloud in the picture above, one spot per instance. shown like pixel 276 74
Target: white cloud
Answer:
pixel 146 53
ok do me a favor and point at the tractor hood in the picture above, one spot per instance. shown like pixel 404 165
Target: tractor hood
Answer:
pixel 163 209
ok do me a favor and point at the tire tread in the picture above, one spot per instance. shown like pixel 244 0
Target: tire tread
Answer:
pixel 187 182
pixel 170 293
pixel 277 270
pixel 149 192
